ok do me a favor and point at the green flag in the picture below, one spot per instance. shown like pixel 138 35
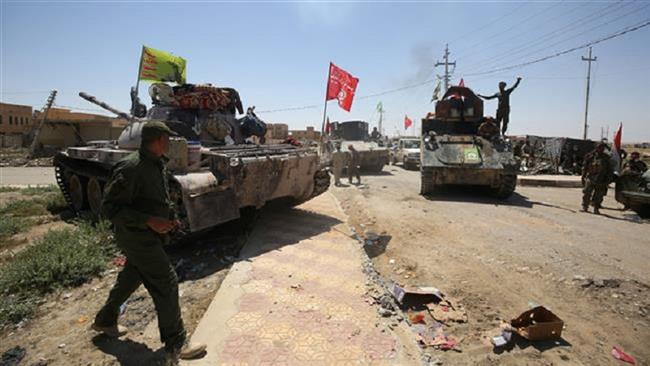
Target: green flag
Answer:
pixel 380 107
pixel 158 65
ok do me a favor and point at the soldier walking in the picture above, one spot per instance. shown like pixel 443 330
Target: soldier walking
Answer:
pixel 339 159
pixel 596 174
pixel 353 164
pixel 503 109
pixel 137 202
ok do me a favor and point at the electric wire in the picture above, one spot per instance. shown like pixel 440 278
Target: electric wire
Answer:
pixel 540 49
pixel 548 36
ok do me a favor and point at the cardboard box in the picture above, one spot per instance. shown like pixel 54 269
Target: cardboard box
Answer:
pixel 538 324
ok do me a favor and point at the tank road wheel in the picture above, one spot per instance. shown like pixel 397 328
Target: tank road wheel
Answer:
pixel 95 193
pixel 506 188
pixel 77 192
pixel 427 185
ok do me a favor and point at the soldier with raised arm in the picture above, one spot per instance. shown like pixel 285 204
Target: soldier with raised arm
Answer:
pixel 503 108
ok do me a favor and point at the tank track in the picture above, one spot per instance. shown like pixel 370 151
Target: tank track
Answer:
pixel 507 186
pixel 321 183
pixel 61 180
pixel 427 186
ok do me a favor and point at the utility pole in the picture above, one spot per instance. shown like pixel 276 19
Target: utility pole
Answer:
pixel 381 118
pixel 447 77
pixel 46 108
pixel 589 60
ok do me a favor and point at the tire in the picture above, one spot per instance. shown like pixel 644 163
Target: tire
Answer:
pixel 77 187
pixel 506 188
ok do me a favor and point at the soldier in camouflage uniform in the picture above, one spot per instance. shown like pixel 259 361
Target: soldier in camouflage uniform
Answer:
pixel 136 201
pixel 597 173
pixel 635 164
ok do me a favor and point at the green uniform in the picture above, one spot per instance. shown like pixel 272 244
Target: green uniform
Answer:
pixel 353 166
pixel 597 173
pixel 136 191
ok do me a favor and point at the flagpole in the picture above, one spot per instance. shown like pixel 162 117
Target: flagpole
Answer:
pixel 329 74
pixel 136 90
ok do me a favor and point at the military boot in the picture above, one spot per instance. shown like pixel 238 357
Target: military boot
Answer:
pixel 585 208
pixel 597 210
pixel 189 351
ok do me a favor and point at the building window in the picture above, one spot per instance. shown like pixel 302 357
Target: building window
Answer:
pixel 11 120
pixel 0 119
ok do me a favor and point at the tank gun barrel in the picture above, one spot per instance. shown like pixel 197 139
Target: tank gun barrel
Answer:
pixel 94 100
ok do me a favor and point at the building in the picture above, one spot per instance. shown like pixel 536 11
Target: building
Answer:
pixel 15 121
pixel 65 128
pixel 277 131
pixel 310 134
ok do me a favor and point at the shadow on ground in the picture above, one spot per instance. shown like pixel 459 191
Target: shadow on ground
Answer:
pixel 283 226
pixel 522 343
pixel 128 352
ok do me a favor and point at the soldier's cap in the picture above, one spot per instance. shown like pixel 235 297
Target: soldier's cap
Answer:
pixel 154 128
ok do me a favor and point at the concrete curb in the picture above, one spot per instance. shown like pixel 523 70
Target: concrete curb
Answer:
pixel 549 182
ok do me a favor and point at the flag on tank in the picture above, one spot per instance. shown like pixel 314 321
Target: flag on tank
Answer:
pixel 158 65
pixel 341 85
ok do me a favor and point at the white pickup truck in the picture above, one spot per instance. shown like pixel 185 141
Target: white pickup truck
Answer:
pixel 407 152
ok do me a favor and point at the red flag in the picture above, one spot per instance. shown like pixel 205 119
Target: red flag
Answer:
pixel 617 138
pixel 341 86
pixel 328 127
pixel 407 122
pixel 462 83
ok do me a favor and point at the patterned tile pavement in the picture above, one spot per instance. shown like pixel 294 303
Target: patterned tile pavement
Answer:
pixel 296 298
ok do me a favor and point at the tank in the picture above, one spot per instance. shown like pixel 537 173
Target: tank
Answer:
pixel 452 152
pixel 633 191
pixel 373 156
pixel 218 166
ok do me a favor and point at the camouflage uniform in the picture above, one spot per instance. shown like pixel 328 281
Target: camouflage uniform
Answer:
pixel 339 159
pixel 353 166
pixel 636 166
pixel 596 174
pixel 137 191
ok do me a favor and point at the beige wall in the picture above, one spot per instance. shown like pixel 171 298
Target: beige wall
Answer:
pixel 309 134
pixel 11 140
pixel 14 118
pixel 277 131
pixel 58 134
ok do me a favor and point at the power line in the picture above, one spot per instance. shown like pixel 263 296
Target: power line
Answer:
pixel 493 37
pixel 548 36
pixel 557 54
pixel 538 50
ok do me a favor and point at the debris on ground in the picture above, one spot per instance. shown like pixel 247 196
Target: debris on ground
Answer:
pixel 538 324
pixel 13 356
pixel 618 354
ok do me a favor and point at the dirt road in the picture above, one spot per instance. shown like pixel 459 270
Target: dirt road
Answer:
pixel 495 257
pixel 26 176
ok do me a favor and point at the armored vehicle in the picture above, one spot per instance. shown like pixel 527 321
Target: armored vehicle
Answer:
pixel 407 152
pixel 355 133
pixel 215 168
pixel 453 153
pixel 633 191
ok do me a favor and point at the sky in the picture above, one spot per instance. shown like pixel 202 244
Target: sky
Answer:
pixel 276 54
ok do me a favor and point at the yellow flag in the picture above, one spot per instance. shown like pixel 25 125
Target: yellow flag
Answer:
pixel 158 65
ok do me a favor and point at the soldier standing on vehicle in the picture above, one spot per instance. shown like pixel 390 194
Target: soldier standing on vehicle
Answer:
pixel 137 202
pixel 503 109
pixel 339 159
pixel 353 164
pixel 375 135
pixel 596 175
pixel 635 164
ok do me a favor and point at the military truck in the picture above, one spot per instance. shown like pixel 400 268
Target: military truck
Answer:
pixel 453 153
pixel 373 156
pixel 216 170
pixel 633 191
